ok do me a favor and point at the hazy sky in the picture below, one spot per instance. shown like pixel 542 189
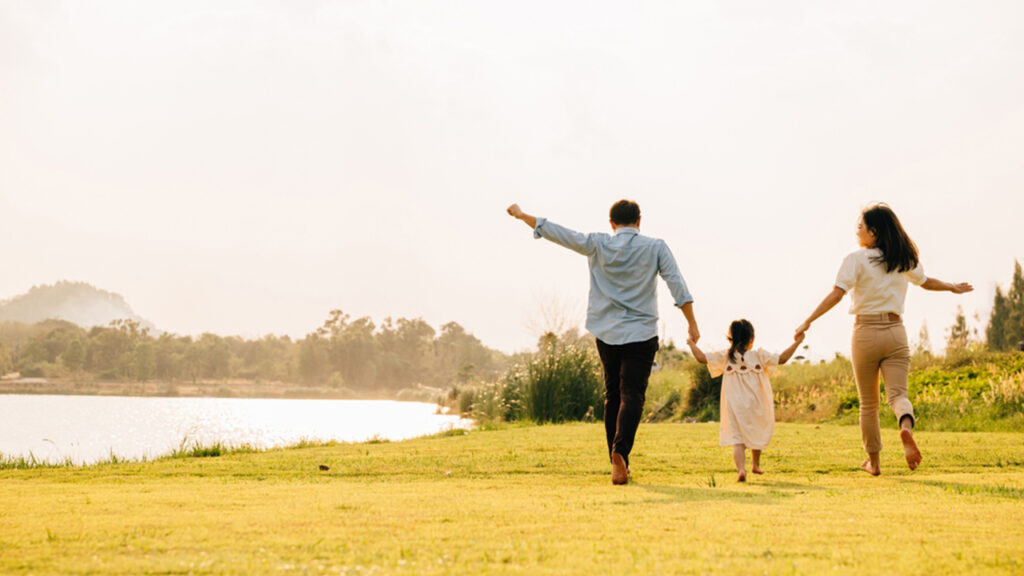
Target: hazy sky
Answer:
pixel 244 167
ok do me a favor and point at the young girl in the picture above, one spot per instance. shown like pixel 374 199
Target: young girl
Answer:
pixel 748 412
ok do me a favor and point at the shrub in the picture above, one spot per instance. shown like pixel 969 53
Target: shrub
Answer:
pixel 498 402
pixel 41 370
pixel 663 409
pixel 806 392
pixel 466 397
pixel 1006 394
pixel 666 395
pixel 705 394
pixel 561 382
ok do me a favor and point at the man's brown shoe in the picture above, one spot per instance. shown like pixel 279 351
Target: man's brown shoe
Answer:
pixel 620 474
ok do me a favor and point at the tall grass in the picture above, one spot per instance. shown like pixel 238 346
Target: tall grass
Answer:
pixel 561 382
pixel 213 450
pixel 974 390
pixel 499 401
pixel 667 393
pixel 186 449
pixel 31 462
pixel 985 394
pixel 806 392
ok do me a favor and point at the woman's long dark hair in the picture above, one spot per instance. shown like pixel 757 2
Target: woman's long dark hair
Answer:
pixel 899 253
pixel 741 334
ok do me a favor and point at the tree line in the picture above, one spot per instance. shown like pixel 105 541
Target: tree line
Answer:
pixel 343 353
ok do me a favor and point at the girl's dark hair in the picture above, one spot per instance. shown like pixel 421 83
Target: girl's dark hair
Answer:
pixel 741 334
pixel 899 253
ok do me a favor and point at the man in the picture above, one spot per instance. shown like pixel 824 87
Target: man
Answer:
pixel 622 313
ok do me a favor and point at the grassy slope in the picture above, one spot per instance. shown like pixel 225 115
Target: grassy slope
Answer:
pixel 530 500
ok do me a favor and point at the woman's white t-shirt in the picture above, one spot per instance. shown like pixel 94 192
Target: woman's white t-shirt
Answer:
pixel 872 289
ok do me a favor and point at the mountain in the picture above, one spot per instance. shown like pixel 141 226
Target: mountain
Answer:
pixel 76 302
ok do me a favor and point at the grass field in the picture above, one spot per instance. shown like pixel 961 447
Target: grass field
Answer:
pixel 530 500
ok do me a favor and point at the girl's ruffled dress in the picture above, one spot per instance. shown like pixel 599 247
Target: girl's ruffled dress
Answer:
pixel 748 409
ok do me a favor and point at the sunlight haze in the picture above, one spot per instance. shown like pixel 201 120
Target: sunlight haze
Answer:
pixel 245 167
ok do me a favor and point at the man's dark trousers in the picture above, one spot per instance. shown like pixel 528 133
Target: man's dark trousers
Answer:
pixel 627 367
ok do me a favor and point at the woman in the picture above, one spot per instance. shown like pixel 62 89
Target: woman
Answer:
pixel 877 277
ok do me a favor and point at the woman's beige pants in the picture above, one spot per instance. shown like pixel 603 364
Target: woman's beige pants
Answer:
pixel 880 346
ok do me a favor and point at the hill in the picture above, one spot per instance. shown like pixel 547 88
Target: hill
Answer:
pixel 77 302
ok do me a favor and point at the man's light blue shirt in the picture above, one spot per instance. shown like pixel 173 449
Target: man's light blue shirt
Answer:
pixel 623 303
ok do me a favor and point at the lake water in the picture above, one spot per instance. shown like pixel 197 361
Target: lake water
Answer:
pixel 91 428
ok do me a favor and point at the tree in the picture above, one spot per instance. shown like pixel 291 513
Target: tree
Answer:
pixel 73 357
pixel 958 333
pixel 193 359
pixel 313 363
pixel 995 334
pixel 32 354
pixel 404 353
pixel 354 353
pixel 1015 301
pixel 1006 323
pixel 924 342
pixel 215 354
pixel 144 358
pixel 106 346
pixel 6 362
pixel 169 357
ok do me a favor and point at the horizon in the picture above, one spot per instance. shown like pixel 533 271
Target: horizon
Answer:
pixel 245 168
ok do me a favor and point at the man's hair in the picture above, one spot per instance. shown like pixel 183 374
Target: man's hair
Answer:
pixel 625 212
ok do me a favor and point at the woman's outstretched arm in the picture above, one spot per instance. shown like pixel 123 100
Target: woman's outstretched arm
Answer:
pixel 936 285
pixel 827 304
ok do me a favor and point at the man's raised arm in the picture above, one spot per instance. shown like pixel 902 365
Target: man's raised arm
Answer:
pixel 517 213
pixel 543 228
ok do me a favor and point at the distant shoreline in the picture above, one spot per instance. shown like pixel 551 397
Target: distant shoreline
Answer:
pixel 206 389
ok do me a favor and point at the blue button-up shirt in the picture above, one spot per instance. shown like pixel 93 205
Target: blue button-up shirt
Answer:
pixel 623 303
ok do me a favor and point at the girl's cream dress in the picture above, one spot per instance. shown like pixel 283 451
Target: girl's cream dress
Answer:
pixel 748 411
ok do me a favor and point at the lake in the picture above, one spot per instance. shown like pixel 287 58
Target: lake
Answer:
pixel 87 429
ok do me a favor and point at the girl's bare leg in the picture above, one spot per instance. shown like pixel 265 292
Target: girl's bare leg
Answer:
pixel 739 455
pixel 755 462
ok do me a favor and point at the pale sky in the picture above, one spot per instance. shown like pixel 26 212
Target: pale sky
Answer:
pixel 244 167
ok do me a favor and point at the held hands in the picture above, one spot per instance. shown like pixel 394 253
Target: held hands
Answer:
pixel 698 354
pixel 801 329
pixel 693 333
pixel 799 336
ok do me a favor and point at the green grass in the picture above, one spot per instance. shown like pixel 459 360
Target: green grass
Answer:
pixel 529 500
pixel 973 391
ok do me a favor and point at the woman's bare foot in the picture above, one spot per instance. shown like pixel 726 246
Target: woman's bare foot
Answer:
pixel 910 450
pixel 742 477
pixel 870 468
pixel 757 470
